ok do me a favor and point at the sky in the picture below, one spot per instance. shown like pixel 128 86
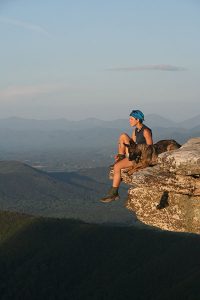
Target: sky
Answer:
pixel 99 59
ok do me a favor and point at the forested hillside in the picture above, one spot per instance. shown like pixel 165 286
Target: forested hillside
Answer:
pixel 66 259
pixel 65 194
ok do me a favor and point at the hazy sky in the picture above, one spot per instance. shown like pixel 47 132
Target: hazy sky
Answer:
pixel 89 58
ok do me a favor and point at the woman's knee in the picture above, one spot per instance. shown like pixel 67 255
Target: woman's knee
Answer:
pixel 123 164
pixel 124 137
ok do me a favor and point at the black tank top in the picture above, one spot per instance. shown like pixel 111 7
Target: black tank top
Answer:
pixel 139 134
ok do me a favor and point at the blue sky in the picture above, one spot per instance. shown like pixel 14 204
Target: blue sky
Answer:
pixel 80 59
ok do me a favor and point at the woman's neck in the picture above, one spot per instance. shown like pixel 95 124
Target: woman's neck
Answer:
pixel 139 126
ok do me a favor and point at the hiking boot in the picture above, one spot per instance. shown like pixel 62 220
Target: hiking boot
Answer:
pixel 111 196
pixel 119 157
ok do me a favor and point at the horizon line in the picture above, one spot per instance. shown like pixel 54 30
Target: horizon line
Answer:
pixel 92 118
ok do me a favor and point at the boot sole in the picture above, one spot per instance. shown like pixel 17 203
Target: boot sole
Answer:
pixel 109 200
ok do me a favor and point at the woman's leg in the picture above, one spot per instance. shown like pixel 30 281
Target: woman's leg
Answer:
pixel 124 138
pixel 121 162
pixel 124 163
pixel 122 149
pixel 113 192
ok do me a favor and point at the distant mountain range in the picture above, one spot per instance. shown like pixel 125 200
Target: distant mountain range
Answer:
pixel 152 120
pixel 22 134
pixel 71 145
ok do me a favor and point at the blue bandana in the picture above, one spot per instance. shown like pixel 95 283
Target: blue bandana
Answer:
pixel 137 114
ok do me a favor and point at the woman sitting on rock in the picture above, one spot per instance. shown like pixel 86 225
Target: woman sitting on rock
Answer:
pixel 141 135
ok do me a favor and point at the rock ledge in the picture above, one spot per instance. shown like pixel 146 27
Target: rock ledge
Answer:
pixel 168 195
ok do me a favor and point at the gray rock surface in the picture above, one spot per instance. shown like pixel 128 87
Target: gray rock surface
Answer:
pixel 185 160
pixel 173 185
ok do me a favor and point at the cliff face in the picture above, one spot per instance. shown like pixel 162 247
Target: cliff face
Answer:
pixel 168 195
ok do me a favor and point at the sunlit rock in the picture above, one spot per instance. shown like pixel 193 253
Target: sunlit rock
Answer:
pixel 168 195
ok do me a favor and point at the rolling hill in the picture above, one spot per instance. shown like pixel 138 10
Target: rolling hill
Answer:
pixel 66 194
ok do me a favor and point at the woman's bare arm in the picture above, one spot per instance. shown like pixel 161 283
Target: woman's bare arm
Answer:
pixel 148 136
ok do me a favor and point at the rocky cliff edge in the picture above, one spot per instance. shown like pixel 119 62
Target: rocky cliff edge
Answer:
pixel 168 195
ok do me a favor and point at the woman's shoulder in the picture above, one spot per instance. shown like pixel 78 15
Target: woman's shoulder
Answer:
pixel 146 128
pixel 147 133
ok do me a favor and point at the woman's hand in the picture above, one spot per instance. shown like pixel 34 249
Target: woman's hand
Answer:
pixel 116 157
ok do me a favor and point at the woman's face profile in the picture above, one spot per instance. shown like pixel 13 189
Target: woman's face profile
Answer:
pixel 133 121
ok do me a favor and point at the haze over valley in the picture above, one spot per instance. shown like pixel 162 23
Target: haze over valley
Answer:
pixel 71 145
